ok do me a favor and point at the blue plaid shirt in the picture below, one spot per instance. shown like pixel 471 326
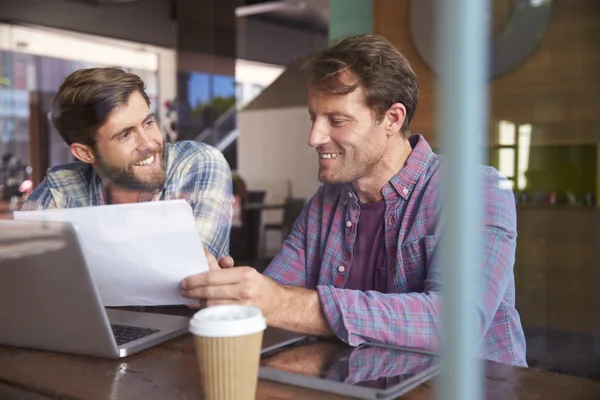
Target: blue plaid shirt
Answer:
pixel 196 172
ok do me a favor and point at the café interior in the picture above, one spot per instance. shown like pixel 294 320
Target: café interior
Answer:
pixel 223 72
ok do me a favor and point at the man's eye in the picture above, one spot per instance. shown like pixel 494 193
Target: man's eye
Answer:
pixel 125 136
pixel 149 123
pixel 336 122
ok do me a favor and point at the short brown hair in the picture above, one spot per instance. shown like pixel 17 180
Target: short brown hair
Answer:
pixel 378 66
pixel 86 99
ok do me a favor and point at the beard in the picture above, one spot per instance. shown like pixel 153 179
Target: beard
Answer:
pixel 357 160
pixel 126 177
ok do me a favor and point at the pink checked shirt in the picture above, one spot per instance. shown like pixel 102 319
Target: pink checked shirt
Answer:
pixel 318 255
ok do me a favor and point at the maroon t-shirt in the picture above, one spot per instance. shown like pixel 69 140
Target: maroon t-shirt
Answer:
pixel 369 269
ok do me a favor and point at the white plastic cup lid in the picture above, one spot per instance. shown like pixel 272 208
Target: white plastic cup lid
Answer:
pixel 227 321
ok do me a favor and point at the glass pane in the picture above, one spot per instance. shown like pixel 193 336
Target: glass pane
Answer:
pixel 223 94
pixel 547 108
pixel 551 97
pixel 193 112
pixel 198 95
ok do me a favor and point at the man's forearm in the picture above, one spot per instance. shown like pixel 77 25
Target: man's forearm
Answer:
pixel 300 310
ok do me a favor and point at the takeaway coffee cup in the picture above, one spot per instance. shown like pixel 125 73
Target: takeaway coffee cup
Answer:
pixel 228 341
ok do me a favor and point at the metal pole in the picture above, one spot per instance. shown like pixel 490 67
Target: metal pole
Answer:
pixel 462 55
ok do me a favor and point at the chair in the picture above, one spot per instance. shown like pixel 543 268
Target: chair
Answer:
pixel 244 241
pixel 291 210
pixel 255 196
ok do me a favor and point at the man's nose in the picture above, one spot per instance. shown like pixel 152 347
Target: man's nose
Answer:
pixel 146 142
pixel 318 135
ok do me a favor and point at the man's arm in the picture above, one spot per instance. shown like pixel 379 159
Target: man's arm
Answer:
pixel 206 185
pixel 288 306
pixel 292 308
pixel 299 310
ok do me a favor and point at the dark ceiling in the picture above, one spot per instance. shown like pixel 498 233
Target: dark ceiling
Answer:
pixel 298 14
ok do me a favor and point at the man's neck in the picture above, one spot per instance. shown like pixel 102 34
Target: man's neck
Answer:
pixel 369 188
pixel 119 195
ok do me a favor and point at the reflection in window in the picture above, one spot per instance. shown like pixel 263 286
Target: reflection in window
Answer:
pixel 503 155
pixel 542 173
pixel 506 162
pixel 506 133
pixel 524 144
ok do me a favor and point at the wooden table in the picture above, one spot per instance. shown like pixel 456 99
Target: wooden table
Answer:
pixel 169 371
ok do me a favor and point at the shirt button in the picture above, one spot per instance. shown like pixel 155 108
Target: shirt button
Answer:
pixel 349 224
pixel 350 194
pixel 405 190
pixel 341 268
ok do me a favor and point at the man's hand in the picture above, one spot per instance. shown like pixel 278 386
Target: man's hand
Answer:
pixel 240 285
pixel 293 308
pixel 223 263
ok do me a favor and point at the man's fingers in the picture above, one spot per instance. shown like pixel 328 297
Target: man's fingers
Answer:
pixel 224 292
pixel 211 259
pixel 226 262
pixel 216 277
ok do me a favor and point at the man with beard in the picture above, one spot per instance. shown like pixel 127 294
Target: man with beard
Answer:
pixel 103 114
pixel 361 262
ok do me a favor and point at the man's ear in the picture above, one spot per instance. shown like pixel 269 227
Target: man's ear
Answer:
pixel 83 153
pixel 394 118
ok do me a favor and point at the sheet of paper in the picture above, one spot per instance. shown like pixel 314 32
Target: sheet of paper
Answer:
pixel 137 253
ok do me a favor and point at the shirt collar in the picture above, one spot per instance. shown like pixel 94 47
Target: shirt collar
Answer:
pixel 404 181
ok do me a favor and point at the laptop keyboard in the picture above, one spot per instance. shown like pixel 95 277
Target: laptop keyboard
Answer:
pixel 125 334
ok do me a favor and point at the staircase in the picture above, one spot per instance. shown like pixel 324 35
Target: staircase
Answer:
pixel 223 136
pixel 223 132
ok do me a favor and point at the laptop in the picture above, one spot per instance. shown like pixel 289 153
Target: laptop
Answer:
pixel 48 299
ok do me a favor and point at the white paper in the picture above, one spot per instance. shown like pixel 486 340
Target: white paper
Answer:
pixel 137 253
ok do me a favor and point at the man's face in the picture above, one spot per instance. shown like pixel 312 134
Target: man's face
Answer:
pixel 349 141
pixel 129 148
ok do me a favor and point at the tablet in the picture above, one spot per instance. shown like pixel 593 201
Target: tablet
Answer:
pixel 370 371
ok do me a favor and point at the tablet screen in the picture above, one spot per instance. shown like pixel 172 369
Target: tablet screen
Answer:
pixel 368 366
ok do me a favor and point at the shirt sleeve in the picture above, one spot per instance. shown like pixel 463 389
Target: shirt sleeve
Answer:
pixel 413 319
pixel 43 197
pixel 206 185
pixel 289 265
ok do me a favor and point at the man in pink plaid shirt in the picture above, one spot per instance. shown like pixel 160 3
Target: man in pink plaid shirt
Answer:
pixel 361 262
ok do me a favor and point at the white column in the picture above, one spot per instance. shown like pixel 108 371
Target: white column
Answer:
pixel 462 51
